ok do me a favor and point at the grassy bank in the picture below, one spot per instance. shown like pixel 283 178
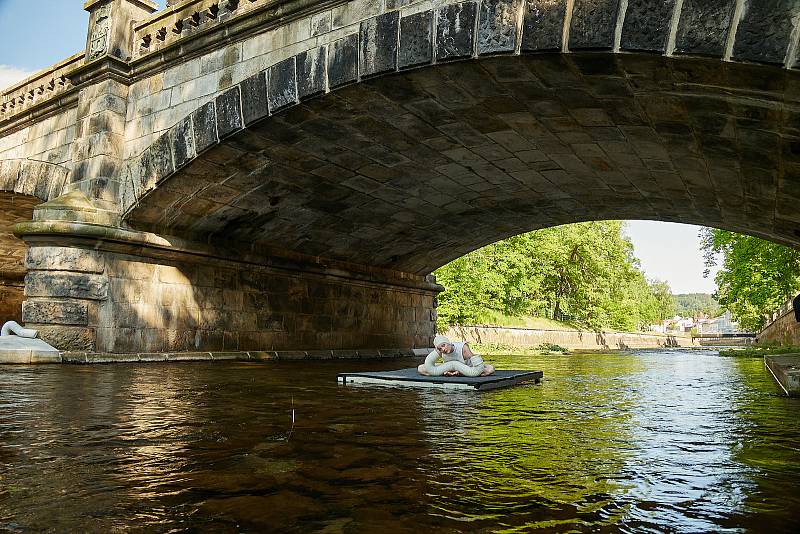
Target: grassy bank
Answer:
pixel 759 352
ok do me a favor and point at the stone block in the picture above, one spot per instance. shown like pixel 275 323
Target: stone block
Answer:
pixel 543 25
pixel 45 357
pixel 188 356
pixel 764 31
pixel 282 85
pixel 55 312
pixel 61 284
pixel 74 338
pixel 155 163
pixel 254 98
pixel 229 112
pixel 497 26
pixel 379 44
pixel 647 24
pixel 151 357
pixel 354 11
pixel 64 259
pixel 343 61
pixel 593 24
pixel 290 355
pixel 262 355
pixel 320 23
pixel 703 27
pixel 181 137
pixel 204 126
pixel 311 72
pixel 455 31
pixel 416 40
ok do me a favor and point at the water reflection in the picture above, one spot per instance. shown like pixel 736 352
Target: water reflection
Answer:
pixel 658 441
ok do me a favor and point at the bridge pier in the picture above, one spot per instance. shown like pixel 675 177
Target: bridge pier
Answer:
pixel 101 288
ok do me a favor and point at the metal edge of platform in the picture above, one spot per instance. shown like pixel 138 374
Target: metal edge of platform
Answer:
pixel 360 378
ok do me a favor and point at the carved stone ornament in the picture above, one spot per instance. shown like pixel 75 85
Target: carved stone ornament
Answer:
pixel 98 41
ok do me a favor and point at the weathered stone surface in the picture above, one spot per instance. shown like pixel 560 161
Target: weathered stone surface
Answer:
pixel 379 44
pixel 593 24
pixel 765 29
pixel 416 40
pixel 703 26
pixel 64 259
pixel 55 312
pixel 254 98
pixel 229 114
pixel 647 24
pixel 343 61
pixel 68 337
pixel 181 138
pixel 311 72
pixel 155 163
pixel 455 31
pixel 61 284
pixel 204 123
pixel 282 85
pixel 497 26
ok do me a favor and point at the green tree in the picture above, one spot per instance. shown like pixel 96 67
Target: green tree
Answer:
pixel 755 276
pixel 585 271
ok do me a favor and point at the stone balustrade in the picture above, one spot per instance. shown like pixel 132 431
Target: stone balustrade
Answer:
pixel 187 19
pixel 40 87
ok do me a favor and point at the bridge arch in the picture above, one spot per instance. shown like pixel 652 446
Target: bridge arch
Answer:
pixel 39 179
pixel 425 135
pixel 23 185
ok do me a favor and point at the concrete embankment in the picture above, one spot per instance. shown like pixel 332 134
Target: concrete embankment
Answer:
pixel 786 370
pixel 570 339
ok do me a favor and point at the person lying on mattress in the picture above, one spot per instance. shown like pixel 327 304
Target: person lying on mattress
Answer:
pixel 459 360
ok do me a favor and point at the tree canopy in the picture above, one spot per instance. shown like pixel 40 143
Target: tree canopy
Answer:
pixel 691 304
pixel 585 272
pixel 755 276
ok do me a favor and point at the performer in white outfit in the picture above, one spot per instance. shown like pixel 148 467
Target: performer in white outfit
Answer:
pixel 458 360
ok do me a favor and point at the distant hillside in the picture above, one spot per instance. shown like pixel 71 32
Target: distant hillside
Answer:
pixel 688 304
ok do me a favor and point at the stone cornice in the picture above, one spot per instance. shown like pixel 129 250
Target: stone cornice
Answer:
pixel 145 244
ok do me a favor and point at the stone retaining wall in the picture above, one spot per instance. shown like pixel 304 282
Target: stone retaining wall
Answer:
pixel 570 339
pixel 784 330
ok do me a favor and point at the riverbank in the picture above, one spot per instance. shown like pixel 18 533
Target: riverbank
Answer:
pixel 569 339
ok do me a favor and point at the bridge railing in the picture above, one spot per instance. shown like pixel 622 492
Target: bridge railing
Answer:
pixel 189 18
pixel 44 85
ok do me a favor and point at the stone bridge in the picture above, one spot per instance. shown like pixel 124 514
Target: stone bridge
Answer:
pixel 284 174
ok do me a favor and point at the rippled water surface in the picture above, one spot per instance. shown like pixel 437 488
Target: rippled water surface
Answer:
pixel 648 441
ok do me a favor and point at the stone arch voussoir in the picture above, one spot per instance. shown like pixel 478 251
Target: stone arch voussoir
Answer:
pixel 39 179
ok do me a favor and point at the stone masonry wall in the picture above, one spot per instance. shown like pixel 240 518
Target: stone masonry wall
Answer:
pixel 570 339
pixel 48 140
pixel 784 330
pixel 111 302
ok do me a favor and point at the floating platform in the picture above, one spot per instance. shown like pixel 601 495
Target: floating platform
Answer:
pixel 410 377
pixel 785 368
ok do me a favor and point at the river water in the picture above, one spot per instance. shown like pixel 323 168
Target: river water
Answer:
pixel 648 441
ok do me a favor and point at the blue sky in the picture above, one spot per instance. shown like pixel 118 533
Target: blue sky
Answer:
pixel 35 34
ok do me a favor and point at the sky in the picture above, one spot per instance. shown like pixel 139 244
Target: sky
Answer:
pixel 35 34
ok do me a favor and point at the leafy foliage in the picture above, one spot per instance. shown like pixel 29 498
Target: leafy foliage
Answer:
pixel 755 277
pixel 583 271
pixel 691 304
